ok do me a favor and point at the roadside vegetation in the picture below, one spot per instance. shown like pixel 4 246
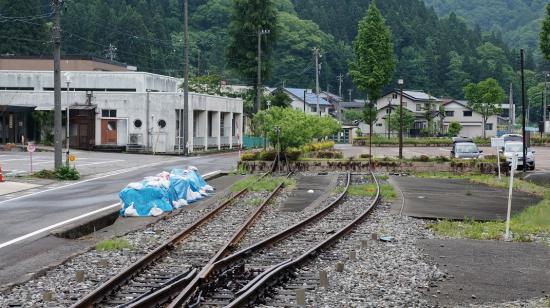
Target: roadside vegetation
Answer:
pixel 113 244
pixel 533 221
pixel 64 173
pixel 254 183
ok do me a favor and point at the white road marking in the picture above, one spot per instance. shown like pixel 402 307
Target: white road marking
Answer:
pixel 444 150
pixel 99 163
pixel 29 235
pixel 106 175
pixel 59 224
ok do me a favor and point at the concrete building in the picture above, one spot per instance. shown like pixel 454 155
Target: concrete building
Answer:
pixel 68 63
pixel 135 111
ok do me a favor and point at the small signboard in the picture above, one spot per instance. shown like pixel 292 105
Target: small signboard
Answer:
pixel 31 147
pixel 497 142
pixel 72 157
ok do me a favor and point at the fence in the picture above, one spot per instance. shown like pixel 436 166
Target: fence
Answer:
pixel 253 142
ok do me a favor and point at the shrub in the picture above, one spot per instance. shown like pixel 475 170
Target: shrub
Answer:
pixel 67 173
pixel 367 156
pixel 45 174
pixel 293 154
pixel 421 158
pixel 319 146
pixel 329 154
pixel 268 155
pixel 442 159
pixel 249 156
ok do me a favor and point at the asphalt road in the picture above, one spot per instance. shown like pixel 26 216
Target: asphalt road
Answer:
pixel 33 212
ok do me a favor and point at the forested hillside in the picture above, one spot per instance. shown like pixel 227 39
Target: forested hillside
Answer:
pixel 518 20
pixel 435 54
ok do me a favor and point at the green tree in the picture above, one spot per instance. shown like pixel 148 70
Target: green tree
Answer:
pixel 352 115
pixel 545 34
pixel 28 37
pixel 280 99
pixel 296 127
pixel 485 98
pixel 374 63
pixel 535 97
pixel 408 120
pixel 248 18
pixel 454 129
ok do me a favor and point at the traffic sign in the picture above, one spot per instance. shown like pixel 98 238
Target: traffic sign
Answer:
pixel 31 147
pixel 497 142
pixel 72 157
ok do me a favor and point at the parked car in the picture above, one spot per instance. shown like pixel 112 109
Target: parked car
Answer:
pixel 465 148
pixel 512 147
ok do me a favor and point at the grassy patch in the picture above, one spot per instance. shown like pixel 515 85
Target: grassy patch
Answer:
pixel 368 190
pixel 532 220
pixel 114 244
pixel 254 183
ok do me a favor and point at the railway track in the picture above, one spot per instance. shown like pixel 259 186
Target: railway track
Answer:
pixel 175 263
pixel 242 278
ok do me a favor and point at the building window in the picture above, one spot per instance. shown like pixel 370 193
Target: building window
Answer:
pixel 449 113
pixel 488 126
pixel 467 113
pixel 137 123
pixel 379 124
pixel 222 126
pixel 394 96
pixel 313 109
pixel 209 117
pixel 418 107
pixel 108 113
pixel 161 123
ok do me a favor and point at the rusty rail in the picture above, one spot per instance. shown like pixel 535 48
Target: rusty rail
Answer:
pixel 250 293
pixel 161 251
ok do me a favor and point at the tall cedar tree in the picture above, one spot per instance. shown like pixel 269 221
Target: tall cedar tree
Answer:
pixel 374 63
pixel 545 34
pixel 247 18
pixel 485 98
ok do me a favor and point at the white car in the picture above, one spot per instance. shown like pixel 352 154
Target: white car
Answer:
pixel 517 147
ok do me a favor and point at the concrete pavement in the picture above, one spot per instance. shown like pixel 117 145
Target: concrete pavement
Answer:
pixel 457 199
pixel 29 213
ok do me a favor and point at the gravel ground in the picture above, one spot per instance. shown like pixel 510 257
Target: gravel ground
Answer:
pixel 273 221
pixel 384 274
pixel 99 266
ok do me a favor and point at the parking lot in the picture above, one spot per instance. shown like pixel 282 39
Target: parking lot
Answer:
pixel 87 163
pixel 542 154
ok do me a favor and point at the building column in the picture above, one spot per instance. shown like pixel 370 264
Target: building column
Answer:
pixel 190 130
pixel 216 127
pixel 229 119
pixel 206 118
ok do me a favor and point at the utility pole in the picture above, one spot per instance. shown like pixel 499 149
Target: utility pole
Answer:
pixel 186 77
pixel 340 80
pixel 523 111
pixel 401 82
pixel 111 52
pixel 259 80
pixel 545 104
pixel 349 92
pixel 316 54
pixel 58 160
pixel 511 110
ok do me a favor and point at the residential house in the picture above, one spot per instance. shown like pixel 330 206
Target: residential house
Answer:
pixel 471 121
pixel 309 105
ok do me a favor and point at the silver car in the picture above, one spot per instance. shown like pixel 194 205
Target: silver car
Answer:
pixel 517 147
pixel 465 150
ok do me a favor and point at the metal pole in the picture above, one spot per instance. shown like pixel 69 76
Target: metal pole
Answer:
pixel 259 81
pixel 305 91
pixel 316 51
pixel 401 121
pixel 58 160
pixel 545 111
pixel 523 111
pixel 68 138
pixel 186 78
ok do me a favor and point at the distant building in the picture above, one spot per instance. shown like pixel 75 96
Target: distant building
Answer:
pixel 305 100
pixel 417 101
pixel 129 110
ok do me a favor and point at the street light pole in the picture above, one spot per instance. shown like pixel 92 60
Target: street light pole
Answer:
pixel 390 107
pixel 523 111
pixel 545 111
pixel 259 81
pixel 68 137
pixel 401 82
pixel 316 53
pixel 185 121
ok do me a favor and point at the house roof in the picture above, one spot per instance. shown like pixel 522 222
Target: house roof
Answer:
pixel 311 98
pixel 416 95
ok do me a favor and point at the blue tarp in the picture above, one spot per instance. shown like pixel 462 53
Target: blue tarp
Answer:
pixel 163 193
